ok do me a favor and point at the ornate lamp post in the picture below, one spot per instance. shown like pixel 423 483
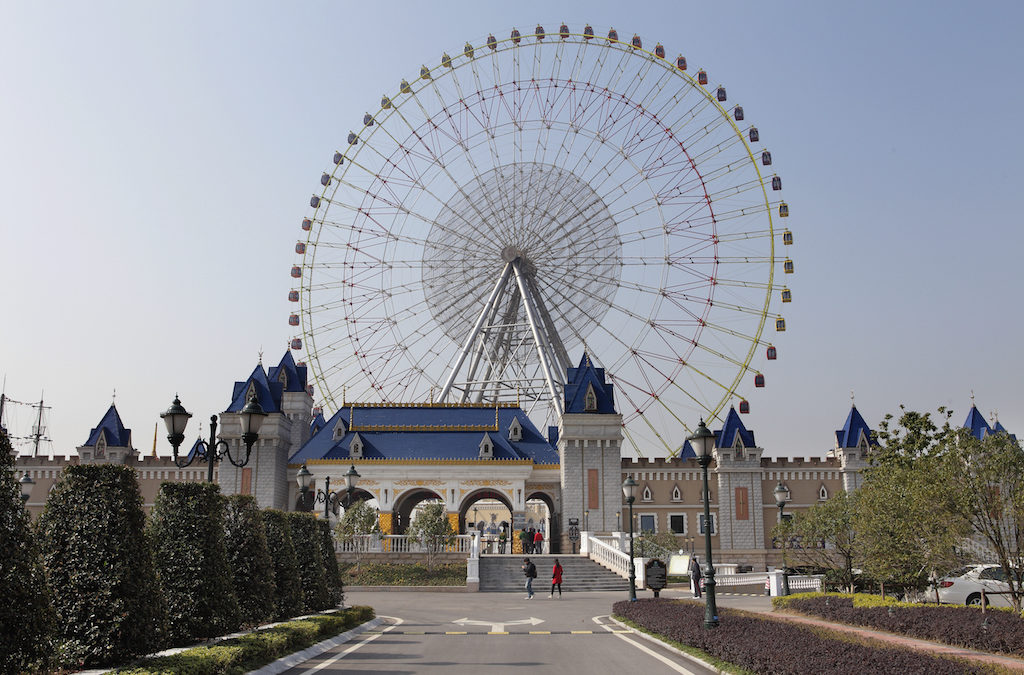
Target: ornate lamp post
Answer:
pixel 703 442
pixel 176 418
pixel 629 492
pixel 781 493
pixel 328 498
pixel 26 487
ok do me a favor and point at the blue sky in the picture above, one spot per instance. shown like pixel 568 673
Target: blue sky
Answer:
pixel 157 158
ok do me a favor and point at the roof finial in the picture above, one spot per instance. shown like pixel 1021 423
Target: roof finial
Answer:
pixel 994 416
pixel 259 354
pixel 853 402
pixel 587 355
pixel 113 396
pixel 972 398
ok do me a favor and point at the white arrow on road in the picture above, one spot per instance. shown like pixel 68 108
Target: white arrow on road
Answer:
pixel 498 627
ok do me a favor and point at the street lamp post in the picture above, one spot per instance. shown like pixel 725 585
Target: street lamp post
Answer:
pixel 629 492
pixel 586 516
pixel 305 480
pixel 176 418
pixel 781 497
pixel 703 442
pixel 26 487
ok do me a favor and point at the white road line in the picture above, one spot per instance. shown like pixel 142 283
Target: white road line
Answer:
pixel 668 662
pixel 354 647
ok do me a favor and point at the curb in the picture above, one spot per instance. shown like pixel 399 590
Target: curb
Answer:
pixel 665 645
pixel 292 660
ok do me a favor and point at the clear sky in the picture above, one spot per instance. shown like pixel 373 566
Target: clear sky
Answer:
pixel 156 159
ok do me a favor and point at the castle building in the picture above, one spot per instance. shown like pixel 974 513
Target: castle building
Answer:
pixel 484 457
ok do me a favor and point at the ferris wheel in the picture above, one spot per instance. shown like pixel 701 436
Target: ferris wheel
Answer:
pixel 530 198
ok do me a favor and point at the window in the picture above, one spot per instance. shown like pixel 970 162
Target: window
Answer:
pixel 677 494
pixel 590 400
pixel 646 495
pixel 702 523
pixel 486 448
pixel 515 430
pixel 677 523
pixel 822 493
pixel 593 489
pixel 648 522
pixel 355 448
pixel 742 506
pixel 246 486
pixel 993 574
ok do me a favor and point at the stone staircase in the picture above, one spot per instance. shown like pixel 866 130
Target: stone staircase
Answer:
pixel 503 573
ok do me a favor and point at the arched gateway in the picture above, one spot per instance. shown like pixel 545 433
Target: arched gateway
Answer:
pixel 478 457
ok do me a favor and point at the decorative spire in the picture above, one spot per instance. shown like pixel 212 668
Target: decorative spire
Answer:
pixel 853 403
pixel 259 355
pixel 972 398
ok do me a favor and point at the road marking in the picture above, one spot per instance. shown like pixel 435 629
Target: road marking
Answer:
pixel 540 632
pixel 497 627
pixel 581 632
pixel 368 640
pixel 650 652
pixel 455 632
pixel 497 632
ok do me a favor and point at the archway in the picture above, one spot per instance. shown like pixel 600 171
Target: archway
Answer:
pixel 406 504
pixel 541 515
pixel 489 512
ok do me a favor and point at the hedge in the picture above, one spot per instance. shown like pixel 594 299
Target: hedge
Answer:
pixel 994 631
pixel 98 565
pixel 332 573
pixel 27 620
pixel 249 652
pixel 245 538
pixel 761 644
pixel 307 540
pixel 288 587
pixel 187 533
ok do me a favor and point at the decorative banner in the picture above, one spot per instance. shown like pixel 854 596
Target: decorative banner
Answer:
pixel 385 523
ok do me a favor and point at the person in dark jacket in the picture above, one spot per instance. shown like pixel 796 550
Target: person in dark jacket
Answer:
pixel 530 570
pixel 526 539
pixel 695 576
pixel 556 580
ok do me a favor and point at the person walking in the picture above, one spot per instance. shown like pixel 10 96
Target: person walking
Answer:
pixel 538 542
pixel 530 570
pixel 695 576
pixel 556 580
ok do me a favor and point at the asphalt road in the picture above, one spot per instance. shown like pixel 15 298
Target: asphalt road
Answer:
pixel 454 633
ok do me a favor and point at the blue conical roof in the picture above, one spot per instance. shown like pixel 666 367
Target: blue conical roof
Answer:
pixel 726 436
pixel 976 423
pixel 111 426
pixel 849 436
pixel 581 379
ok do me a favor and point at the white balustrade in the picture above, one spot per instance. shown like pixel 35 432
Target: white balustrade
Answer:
pixel 608 556
pixel 398 543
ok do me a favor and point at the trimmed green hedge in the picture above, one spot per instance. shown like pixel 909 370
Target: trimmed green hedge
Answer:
pixel 288 587
pixel 26 614
pixel 187 533
pixel 252 651
pixel 245 538
pixel 307 540
pixel 332 573
pixel 404 574
pixel 105 592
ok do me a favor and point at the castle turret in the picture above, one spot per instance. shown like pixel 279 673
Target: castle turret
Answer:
pixel 853 445
pixel 109 442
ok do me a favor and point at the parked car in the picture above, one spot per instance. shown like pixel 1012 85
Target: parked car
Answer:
pixel 963 586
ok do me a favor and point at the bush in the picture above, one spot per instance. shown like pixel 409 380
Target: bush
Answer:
pixel 405 574
pixel 27 619
pixel 332 573
pixel 307 541
pixel 249 652
pixel 288 586
pixel 765 645
pixel 245 538
pixel 187 534
pixel 98 565
pixel 995 631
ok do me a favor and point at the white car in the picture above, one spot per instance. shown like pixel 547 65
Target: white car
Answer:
pixel 963 586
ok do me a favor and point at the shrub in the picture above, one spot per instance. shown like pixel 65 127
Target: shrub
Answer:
pixel 995 631
pixel 98 565
pixel 307 541
pixel 187 533
pixel 26 616
pixel 765 645
pixel 288 586
pixel 332 574
pixel 245 538
pixel 432 530
pixel 249 652
pixel 405 574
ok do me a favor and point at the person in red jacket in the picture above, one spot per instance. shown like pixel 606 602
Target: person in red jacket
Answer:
pixel 556 580
pixel 538 542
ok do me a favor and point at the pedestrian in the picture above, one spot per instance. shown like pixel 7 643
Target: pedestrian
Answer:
pixel 556 580
pixel 502 537
pixel 538 542
pixel 530 570
pixel 525 539
pixel 695 576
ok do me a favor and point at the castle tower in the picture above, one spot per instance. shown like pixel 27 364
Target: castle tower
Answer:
pixel 282 393
pixel 589 442
pixel 740 521
pixel 109 442
pixel 853 444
